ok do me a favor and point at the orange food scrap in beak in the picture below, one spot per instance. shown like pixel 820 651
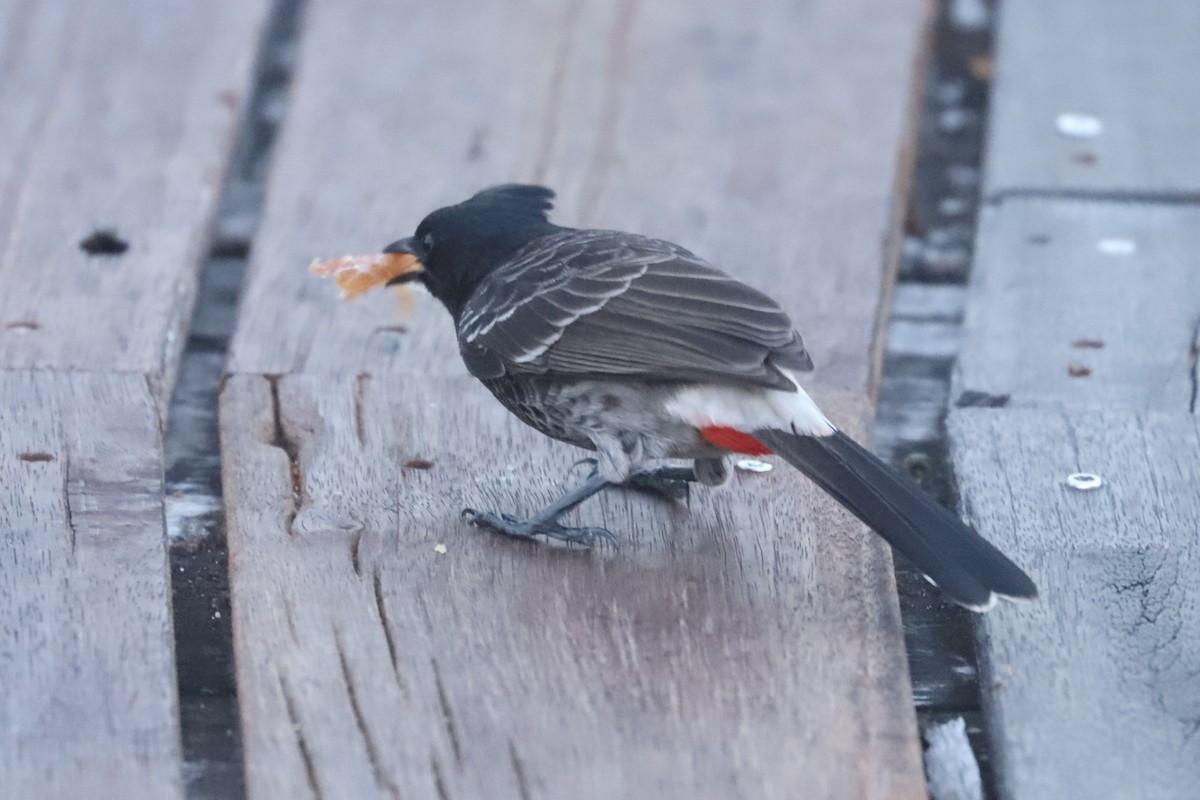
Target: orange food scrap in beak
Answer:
pixel 357 274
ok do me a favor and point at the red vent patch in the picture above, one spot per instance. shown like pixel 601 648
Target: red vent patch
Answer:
pixel 735 440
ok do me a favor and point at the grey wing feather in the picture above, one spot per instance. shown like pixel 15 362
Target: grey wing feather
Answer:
pixel 608 303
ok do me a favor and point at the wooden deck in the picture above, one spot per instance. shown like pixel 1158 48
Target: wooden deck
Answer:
pixel 1081 331
pixel 749 644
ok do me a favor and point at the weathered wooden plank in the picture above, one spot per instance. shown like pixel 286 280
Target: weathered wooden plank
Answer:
pixel 86 666
pixel 1094 688
pixel 774 155
pixel 1129 65
pixel 112 116
pixel 1084 304
pixel 741 647
pixel 718 654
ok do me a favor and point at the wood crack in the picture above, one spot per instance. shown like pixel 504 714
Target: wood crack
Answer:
pixel 381 778
pixel 1165 198
pixel 439 780
pixel 281 440
pixel 447 714
pixel 1194 364
pixel 355 549
pixel 387 635
pixel 68 512
pixel 310 770
pixel 289 614
pixel 360 422
pixel 519 771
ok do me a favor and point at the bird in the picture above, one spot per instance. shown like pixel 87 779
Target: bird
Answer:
pixel 639 350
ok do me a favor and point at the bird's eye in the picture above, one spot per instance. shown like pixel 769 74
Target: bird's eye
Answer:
pixel 427 243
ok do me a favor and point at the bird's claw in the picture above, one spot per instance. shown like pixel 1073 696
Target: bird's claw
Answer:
pixel 526 529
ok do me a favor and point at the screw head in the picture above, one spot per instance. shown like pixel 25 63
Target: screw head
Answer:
pixel 1084 481
pixel 1079 126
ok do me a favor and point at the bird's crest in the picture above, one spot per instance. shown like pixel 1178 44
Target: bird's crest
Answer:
pixel 516 195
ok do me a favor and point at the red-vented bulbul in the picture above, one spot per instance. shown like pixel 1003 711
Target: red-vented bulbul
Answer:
pixel 639 350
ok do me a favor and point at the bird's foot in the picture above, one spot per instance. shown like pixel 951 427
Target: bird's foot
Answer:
pixel 528 529
pixel 667 483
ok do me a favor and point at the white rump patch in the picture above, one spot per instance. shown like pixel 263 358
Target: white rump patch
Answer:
pixel 748 409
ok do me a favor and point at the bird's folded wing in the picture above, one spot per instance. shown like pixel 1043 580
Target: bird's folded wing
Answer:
pixel 602 303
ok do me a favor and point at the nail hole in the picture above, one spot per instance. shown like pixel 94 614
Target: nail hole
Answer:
pixel 104 242
pixel 1039 238
pixel 418 463
pixel 1077 370
pixel 22 326
pixel 1088 344
pixel 35 457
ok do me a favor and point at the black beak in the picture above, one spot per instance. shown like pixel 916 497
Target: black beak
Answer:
pixel 406 245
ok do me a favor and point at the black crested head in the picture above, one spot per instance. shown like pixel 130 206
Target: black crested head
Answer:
pixel 461 244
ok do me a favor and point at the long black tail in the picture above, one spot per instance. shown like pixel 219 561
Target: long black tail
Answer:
pixel 962 563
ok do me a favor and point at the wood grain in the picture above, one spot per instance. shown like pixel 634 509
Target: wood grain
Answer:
pixel 1127 63
pixel 1093 688
pixel 89 703
pixel 1082 304
pixel 774 154
pixel 745 646
pixel 112 116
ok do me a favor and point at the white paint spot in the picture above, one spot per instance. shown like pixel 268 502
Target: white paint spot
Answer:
pixel 1117 247
pixel 1084 481
pixel 190 513
pixel 1079 126
pixel 754 465
pixel 950 765
pixel 440 549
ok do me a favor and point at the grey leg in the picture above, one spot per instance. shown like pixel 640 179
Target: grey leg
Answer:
pixel 668 483
pixel 545 522
pixel 665 483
